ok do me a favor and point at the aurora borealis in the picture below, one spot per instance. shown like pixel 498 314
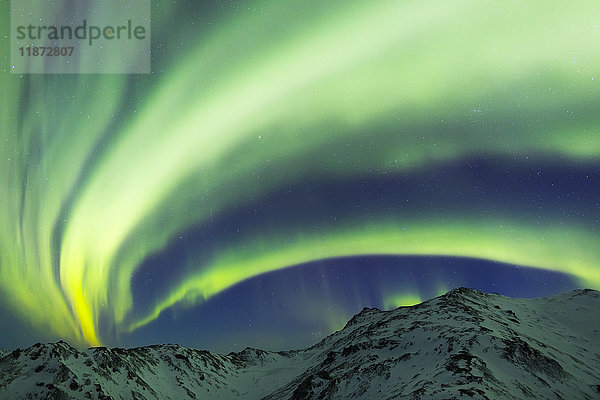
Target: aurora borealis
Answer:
pixel 281 134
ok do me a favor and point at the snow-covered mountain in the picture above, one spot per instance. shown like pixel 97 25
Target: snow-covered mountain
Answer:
pixel 462 344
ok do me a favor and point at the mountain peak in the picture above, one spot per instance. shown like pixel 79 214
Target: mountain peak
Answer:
pixel 465 342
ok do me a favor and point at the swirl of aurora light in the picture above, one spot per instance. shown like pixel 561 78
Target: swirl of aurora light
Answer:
pixel 100 172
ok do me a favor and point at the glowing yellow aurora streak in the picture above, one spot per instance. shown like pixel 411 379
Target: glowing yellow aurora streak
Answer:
pixel 287 89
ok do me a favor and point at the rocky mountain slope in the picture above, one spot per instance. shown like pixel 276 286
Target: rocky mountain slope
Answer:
pixel 464 344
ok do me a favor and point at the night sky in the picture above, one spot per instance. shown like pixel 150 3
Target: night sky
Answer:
pixel 287 163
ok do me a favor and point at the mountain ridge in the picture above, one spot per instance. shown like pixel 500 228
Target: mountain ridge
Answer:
pixel 463 343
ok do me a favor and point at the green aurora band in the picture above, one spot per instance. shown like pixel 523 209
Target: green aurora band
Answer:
pixel 92 182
